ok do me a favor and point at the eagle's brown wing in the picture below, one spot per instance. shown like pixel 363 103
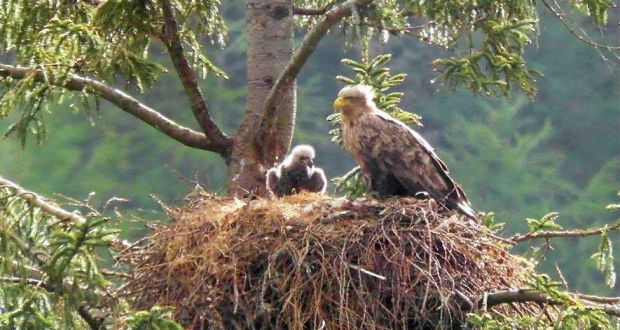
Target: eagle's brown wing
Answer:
pixel 394 150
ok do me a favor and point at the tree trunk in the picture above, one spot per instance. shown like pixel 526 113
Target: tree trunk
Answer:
pixel 269 26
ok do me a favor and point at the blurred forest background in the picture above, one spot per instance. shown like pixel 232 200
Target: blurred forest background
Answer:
pixel 516 157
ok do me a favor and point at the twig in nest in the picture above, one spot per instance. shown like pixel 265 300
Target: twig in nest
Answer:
pixel 367 272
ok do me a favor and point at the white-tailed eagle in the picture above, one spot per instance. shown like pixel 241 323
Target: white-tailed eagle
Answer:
pixel 394 159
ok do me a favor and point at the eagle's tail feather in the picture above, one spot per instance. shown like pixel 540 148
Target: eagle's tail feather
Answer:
pixel 457 200
pixel 466 210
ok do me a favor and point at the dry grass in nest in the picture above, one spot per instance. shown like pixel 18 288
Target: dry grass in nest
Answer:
pixel 313 262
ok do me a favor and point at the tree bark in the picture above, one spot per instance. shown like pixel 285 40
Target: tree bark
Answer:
pixel 266 130
pixel 269 25
pixel 123 101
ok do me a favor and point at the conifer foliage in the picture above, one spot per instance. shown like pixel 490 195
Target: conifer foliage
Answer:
pixel 78 53
pixel 50 267
pixel 52 47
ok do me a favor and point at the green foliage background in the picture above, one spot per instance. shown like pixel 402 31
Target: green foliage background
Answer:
pixel 518 157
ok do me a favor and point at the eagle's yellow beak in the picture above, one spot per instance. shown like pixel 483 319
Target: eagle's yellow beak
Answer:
pixel 339 103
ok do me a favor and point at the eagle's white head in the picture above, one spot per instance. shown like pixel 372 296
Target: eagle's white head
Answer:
pixel 354 100
pixel 301 155
pixel 362 91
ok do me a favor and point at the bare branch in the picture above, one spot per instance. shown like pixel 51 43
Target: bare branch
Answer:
pixel 598 299
pixel 525 296
pixel 564 233
pixel 611 310
pixel 40 202
pixel 188 78
pixel 310 11
pixel 517 296
pixel 123 101
pixel 572 28
pixel 290 72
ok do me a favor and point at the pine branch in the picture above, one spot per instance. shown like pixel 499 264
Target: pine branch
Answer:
pixel 221 142
pixel 123 101
pixel 290 72
pixel 42 258
pixel 41 203
pixel 13 265
pixel 564 233
pixel 83 311
pixel 37 257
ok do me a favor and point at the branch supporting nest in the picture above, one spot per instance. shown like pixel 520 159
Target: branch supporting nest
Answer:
pixel 516 296
pixel 488 300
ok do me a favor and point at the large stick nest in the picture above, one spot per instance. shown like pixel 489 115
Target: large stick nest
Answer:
pixel 312 262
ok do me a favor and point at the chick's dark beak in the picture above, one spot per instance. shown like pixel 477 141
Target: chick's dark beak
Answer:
pixel 309 162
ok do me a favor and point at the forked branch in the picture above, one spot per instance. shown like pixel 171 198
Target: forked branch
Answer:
pixel 198 103
pixel 290 72
pixel 123 101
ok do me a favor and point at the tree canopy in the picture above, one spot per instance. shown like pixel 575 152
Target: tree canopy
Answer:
pixel 520 159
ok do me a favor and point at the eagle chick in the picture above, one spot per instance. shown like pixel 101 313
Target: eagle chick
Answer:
pixel 394 159
pixel 296 173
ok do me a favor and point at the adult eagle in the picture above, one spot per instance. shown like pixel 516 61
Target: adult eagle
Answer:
pixel 395 159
